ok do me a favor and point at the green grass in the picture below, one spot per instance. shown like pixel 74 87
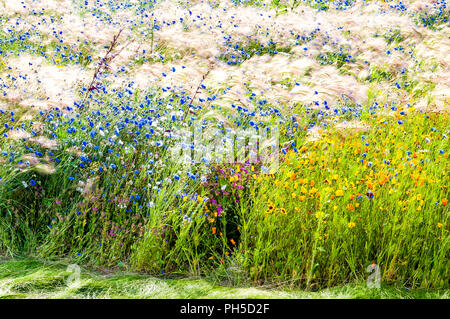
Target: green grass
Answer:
pixel 339 58
pixel 54 52
pixel 379 74
pixel 393 36
pixel 293 244
pixel 242 51
pixel 29 278
pixel 310 238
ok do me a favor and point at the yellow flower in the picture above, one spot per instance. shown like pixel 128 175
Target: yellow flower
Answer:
pixel 339 192
pixel 351 225
pixel 439 225
pixel 319 214
pixel 271 208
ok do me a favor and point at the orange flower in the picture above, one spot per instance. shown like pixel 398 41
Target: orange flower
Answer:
pixel 444 201
pixel 232 241
pixel 214 230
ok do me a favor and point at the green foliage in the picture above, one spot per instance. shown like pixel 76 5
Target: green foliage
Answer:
pixel 379 74
pixel 317 227
pixel 242 51
pixel 25 278
pixel 299 227
pixel 393 36
pixel 433 20
pixel 53 51
pixel 337 58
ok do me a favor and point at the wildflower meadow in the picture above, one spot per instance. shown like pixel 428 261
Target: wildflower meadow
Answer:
pixel 284 143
